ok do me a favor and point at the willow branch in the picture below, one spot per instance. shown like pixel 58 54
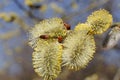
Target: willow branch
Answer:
pixel 28 12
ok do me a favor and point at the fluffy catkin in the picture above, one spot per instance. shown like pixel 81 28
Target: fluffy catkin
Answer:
pixel 100 21
pixel 79 50
pixel 47 61
pixel 53 27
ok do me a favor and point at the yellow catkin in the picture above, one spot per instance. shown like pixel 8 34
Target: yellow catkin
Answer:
pixel 47 61
pixel 79 50
pixel 100 21
pixel 53 27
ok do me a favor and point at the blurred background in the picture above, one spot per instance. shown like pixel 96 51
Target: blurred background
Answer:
pixel 17 16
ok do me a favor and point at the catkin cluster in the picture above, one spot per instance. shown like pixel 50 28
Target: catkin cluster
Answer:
pixel 55 46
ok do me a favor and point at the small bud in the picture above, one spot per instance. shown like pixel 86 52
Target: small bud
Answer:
pixel 60 39
pixel 44 36
pixel 112 38
pixel 67 26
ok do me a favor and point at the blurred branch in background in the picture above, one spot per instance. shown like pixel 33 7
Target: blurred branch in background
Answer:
pixel 28 12
pixel 9 35
pixel 117 75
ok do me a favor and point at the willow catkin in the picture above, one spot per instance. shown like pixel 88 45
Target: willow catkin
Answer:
pixel 100 21
pixel 47 61
pixel 79 50
pixel 53 27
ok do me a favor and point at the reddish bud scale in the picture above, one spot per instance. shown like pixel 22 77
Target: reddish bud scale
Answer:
pixel 44 36
pixel 60 39
pixel 67 26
